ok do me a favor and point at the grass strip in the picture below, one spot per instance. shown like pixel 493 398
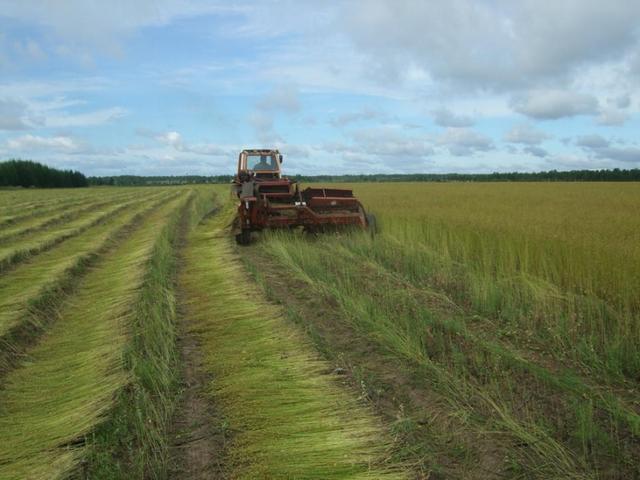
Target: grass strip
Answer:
pixel 42 241
pixel 69 381
pixel 290 417
pixel 35 289
pixel 134 442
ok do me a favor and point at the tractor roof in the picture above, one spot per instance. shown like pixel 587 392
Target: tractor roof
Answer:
pixel 260 151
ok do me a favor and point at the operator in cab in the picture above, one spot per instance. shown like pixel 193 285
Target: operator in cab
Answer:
pixel 265 163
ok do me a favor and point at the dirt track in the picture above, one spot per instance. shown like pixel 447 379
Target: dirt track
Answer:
pixel 198 449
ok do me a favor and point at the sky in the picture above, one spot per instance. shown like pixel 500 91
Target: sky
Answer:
pixel 174 87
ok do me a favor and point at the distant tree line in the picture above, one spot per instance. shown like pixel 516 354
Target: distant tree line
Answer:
pixel 135 180
pixel 32 174
pixel 615 175
pixel 25 173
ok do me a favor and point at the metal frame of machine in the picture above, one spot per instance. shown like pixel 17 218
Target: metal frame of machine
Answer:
pixel 269 200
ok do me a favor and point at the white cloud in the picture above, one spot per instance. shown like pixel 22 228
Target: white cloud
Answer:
pixel 55 104
pixel 592 141
pixel 81 27
pixel 390 141
pixel 464 141
pixel 30 143
pixel 446 118
pixel 622 101
pixel 295 151
pixel 282 98
pixel 263 125
pixel 210 149
pixel 612 117
pixel 364 114
pixel 4 57
pixel 526 134
pixel 574 162
pixel 535 151
pixel 385 148
pixel 620 154
pixel 459 62
pixel 492 44
pixel 56 89
pixel 173 139
pixel 29 49
pixel 97 117
pixel 13 115
pixel 601 148
pixel 554 104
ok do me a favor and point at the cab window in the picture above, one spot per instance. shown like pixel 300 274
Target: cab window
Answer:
pixel 261 162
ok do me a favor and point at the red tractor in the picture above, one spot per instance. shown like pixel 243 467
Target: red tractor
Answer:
pixel 269 200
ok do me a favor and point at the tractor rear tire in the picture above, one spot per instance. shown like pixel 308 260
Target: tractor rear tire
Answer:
pixel 244 237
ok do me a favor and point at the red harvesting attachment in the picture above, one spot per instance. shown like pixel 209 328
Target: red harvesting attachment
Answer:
pixel 268 200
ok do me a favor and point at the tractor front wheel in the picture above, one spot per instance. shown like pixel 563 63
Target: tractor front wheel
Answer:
pixel 244 237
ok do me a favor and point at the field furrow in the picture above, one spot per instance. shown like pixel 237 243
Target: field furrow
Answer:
pixel 35 288
pixel 41 241
pixel 66 385
pixel 290 417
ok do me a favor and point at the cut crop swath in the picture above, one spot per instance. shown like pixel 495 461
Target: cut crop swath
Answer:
pixel 135 441
pixel 31 293
pixel 67 383
pixel 19 202
pixel 290 418
pixel 17 252
pixel 61 214
pixel 15 214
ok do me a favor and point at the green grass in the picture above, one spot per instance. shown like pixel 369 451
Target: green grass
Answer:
pixel 516 301
pixel 67 384
pixel 560 262
pixel 290 418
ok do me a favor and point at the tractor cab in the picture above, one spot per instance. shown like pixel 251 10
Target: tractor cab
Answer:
pixel 259 164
